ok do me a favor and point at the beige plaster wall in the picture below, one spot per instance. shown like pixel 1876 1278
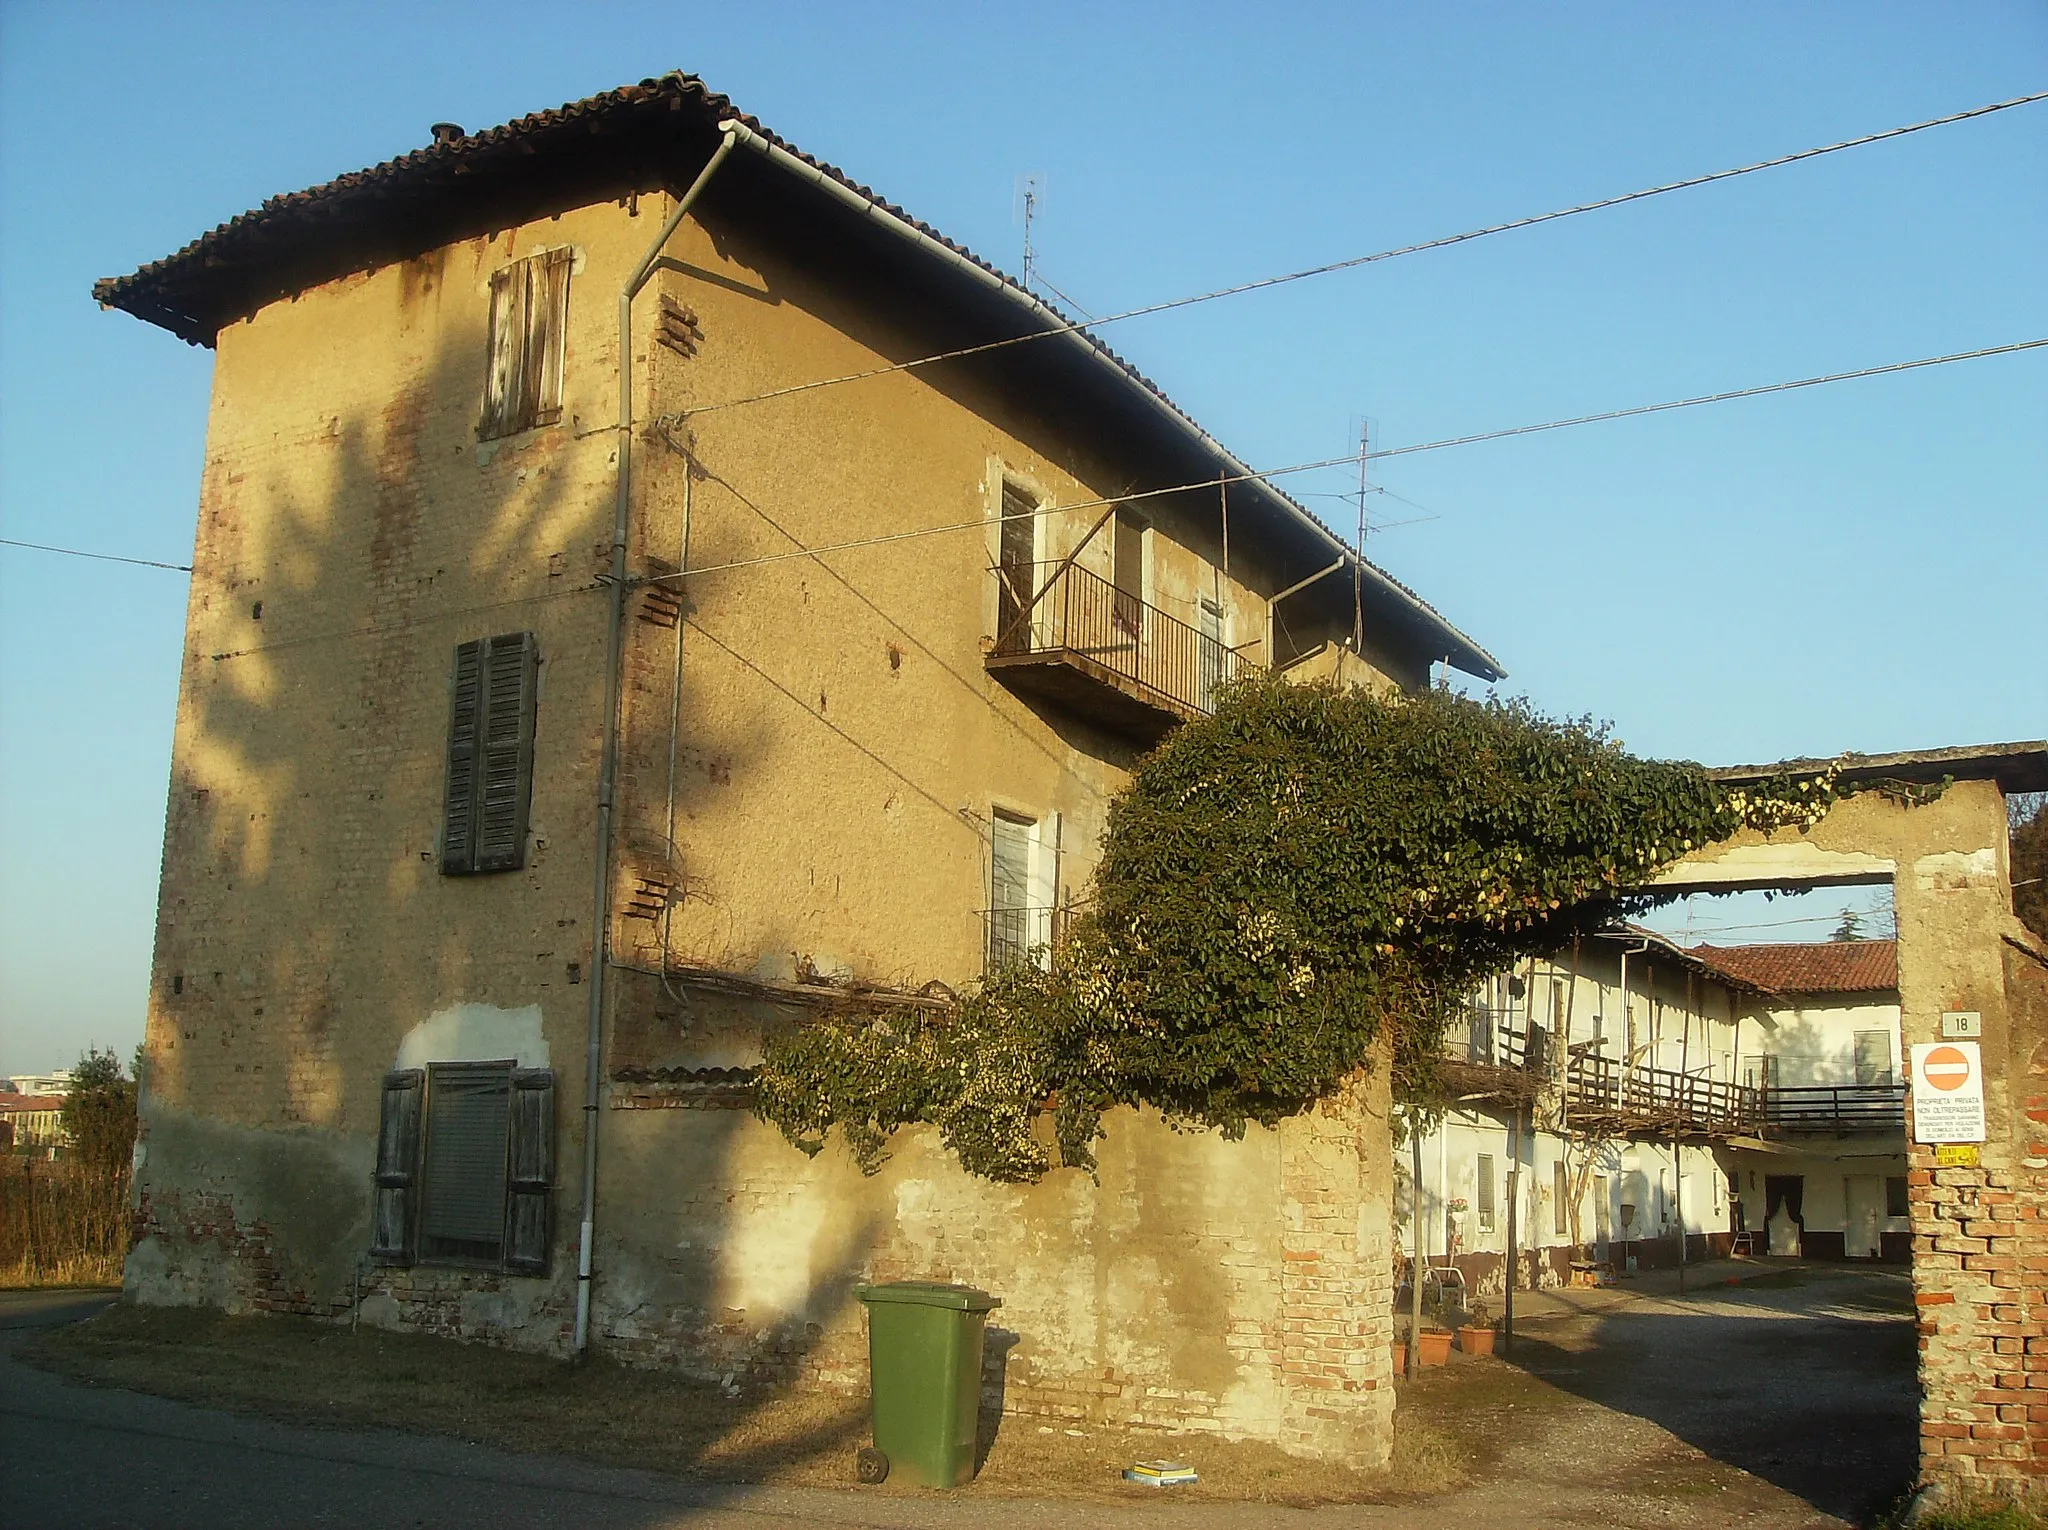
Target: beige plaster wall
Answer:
pixel 806 789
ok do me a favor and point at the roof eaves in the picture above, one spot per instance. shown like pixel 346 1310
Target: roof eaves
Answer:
pixel 140 292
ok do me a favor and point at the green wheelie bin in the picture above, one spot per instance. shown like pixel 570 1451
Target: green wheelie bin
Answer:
pixel 924 1370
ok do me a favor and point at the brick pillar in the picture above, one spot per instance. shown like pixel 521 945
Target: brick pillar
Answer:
pixel 1980 1267
pixel 1336 1277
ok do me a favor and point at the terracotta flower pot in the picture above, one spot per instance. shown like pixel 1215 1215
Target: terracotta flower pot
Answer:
pixel 1400 1359
pixel 1434 1347
pixel 1476 1341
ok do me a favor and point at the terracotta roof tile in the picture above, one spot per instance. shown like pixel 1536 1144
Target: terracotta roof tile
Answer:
pixel 16 1104
pixel 1835 966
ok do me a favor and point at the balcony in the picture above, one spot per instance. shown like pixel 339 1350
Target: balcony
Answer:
pixel 1835 1109
pixel 1099 651
pixel 1492 1058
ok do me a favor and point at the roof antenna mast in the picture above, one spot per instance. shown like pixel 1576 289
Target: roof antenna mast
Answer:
pixel 1030 190
pixel 1358 547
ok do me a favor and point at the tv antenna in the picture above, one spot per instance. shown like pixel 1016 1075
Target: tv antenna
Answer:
pixel 1030 193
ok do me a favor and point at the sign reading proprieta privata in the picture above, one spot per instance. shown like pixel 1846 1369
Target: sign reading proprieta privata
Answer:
pixel 1948 1092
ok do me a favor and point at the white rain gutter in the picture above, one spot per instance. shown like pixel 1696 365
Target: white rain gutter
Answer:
pixel 839 191
pixel 608 766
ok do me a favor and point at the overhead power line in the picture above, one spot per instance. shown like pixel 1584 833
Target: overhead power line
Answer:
pixel 1351 263
pixel 73 552
pixel 1351 459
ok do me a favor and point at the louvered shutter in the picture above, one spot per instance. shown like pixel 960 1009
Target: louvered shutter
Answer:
pixel 530 1197
pixel 505 758
pixel 398 1156
pixel 459 808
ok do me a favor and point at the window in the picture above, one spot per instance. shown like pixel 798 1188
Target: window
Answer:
pixel 1560 1199
pixel 1016 567
pixel 1127 568
pixel 1209 656
pixel 529 322
pixel 1873 1058
pixel 1023 887
pixel 1483 1192
pixel 1895 1201
pixel 490 754
pixel 466 1167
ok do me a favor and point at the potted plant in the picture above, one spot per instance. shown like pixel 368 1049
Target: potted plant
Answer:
pixel 1400 1357
pixel 1433 1346
pixel 1475 1334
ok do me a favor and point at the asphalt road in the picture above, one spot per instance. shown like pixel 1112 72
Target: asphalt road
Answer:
pixel 1783 1405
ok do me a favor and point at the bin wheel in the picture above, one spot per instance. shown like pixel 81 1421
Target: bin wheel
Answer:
pixel 871 1466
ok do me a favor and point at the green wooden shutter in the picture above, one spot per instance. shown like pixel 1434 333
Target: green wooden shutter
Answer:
pixel 398 1157
pixel 490 754
pixel 529 1201
pixel 505 753
pixel 459 803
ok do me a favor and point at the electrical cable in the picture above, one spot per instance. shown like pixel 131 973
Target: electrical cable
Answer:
pixel 1351 263
pixel 1352 458
pixel 73 552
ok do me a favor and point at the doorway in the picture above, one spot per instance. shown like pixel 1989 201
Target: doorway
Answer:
pixel 1784 1212
pixel 1864 1201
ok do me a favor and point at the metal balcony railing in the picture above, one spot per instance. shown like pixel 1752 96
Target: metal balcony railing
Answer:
pixel 1831 1108
pixel 1107 639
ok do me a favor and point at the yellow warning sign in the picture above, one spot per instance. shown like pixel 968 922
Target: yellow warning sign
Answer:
pixel 1956 1155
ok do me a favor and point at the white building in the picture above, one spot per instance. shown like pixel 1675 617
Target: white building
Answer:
pixel 1593 1087
pixel 1631 1090
pixel 1828 1178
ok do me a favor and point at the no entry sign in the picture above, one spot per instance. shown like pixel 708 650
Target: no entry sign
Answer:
pixel 1948 1092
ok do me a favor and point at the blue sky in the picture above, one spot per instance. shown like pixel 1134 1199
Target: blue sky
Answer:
pixel 1850 567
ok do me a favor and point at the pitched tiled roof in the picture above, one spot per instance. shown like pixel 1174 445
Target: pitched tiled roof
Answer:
pixel 1835 966
pixel 22 1104
pixel 637 138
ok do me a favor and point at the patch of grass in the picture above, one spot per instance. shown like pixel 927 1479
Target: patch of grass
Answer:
pixel 317 1373
pixel 63 1272
pixel 1987 1514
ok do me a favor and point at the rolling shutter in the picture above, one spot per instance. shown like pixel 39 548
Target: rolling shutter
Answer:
pixel 529 1202
pixel 490 754
pixel 398 1156
pixel 462 1210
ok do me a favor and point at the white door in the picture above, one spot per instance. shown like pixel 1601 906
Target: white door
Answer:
pixel 1864 1194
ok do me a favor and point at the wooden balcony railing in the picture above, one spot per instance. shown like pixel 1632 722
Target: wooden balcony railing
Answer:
pixel 1090 645
pixel 1600 1092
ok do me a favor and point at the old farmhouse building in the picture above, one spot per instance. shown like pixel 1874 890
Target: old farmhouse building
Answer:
pixel 609 640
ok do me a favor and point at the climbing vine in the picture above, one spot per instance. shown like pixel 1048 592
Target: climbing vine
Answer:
pixel 1281 886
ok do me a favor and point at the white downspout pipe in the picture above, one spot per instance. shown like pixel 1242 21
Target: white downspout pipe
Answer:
pixel 608 766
